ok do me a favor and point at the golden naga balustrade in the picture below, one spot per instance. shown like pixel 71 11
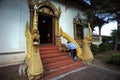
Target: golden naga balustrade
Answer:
pixel 33 60
pixel 84 54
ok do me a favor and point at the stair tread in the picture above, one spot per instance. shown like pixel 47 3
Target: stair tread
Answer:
pixel 49 48
pixel 48 51
pixel 64 69
pixel 59 64
pixel 54 59
pixel 51 55
pixel 55 62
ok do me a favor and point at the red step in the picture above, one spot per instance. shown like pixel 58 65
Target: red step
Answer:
pixel 61 70
pixel 48 55
pixel 53 59
pixel 56 63
pixel 48 47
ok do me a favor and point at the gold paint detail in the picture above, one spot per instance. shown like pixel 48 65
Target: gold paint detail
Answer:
pixel 57 32
pixel 96 39
pixel 77 19
pixel 84 53
pixel 46 10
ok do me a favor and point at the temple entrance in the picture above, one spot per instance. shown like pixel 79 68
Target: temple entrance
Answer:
pixel 45 28
pixel 47 19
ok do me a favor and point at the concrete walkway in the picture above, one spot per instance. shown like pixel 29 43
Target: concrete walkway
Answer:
pixel 91 72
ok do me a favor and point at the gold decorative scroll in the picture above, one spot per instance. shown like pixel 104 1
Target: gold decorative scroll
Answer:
pixel 96 39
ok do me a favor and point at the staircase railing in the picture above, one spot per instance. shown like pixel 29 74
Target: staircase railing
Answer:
pixel 84 53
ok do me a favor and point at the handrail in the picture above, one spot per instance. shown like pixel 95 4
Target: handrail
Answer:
pixel 84 54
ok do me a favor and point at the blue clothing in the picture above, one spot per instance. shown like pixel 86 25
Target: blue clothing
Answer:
pixel 71 46
pixel 72 50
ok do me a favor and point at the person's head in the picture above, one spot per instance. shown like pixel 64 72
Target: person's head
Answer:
pixel 68 42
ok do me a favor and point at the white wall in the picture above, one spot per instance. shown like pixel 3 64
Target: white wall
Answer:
pixel 66 18
pixel 13 17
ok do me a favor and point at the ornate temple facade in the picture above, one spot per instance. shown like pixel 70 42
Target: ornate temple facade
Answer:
pixel 51 15
pixel 26 25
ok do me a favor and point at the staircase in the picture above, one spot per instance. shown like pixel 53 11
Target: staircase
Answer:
pixel 56 63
